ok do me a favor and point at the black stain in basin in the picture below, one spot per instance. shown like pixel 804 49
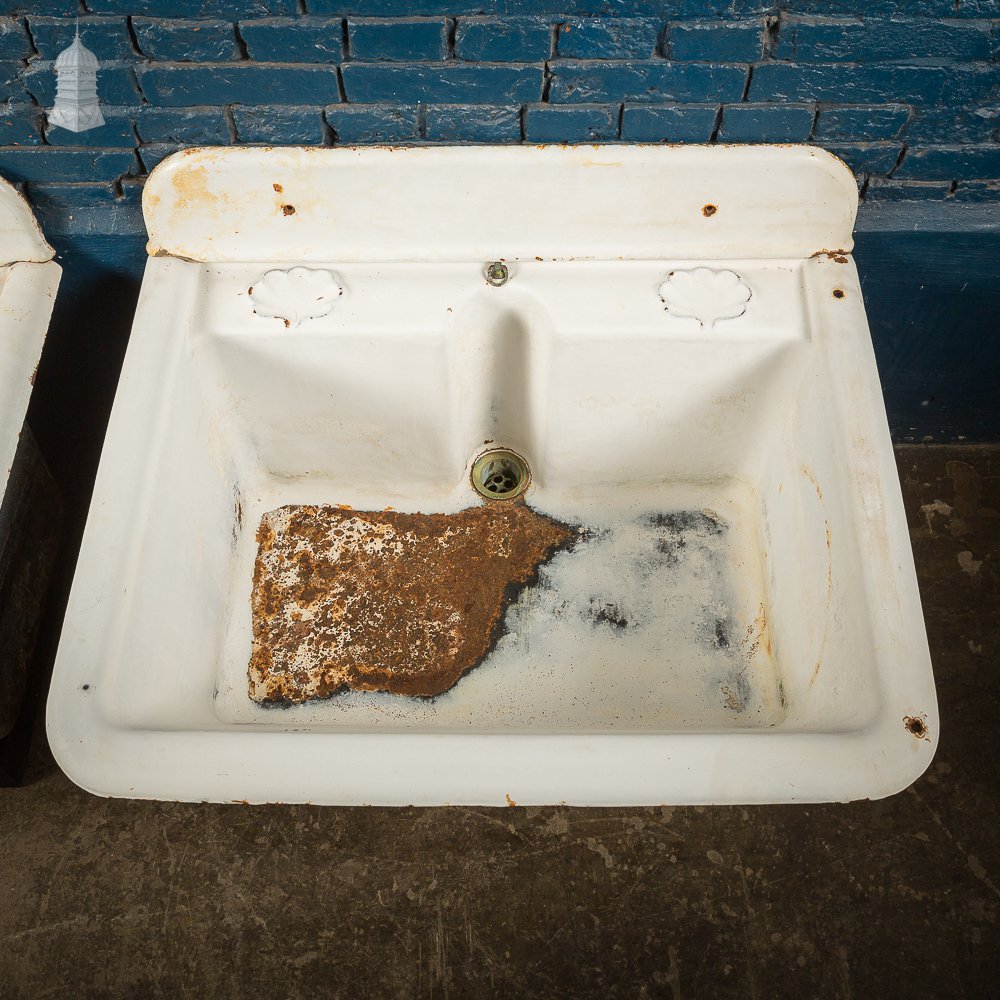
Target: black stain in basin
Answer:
pixel 609 614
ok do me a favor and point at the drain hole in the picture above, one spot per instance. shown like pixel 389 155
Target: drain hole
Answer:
pixel 500 474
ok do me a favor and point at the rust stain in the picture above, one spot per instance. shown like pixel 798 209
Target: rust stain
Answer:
pixel 839 256
pixel 278 188
pixel 33 375
pixel 917 726
pixel 510 802
pixel 838 293
pixel 709 210
pixel 287 209
pixel 829 574
pixel 758 635
pixel 386 601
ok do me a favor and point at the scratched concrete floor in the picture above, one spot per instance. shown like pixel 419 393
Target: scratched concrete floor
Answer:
pixel 105 898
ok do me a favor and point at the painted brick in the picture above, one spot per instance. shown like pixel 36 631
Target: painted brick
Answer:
pixel 363 124
pixel 404 41
pixel 300 39
pixel 976 8
pixel 115 133
pixel 279 126
pixel 600 83
pixel 951 163
pixel 394 8
pixel 472 123
pixel 855 40
pixel 43 164
pixel 21 125
pixel 883 190
pixel 14 41
pixel 861 122
pixel 11 82
pixel 557 9
pixel 503 39
pixel 227 9
pixel 880 8
pixel 186 41
pixel 867 157
pixel 442 83
pixel 650 123
pixel 608 38
pixel 99 213
pixel 116 85
pixel 172 85
pixel 106 37
pixel 197 126
pixel 571 123
pixel 766 123
pixel 153 154
pixel 716 41
pixel 951 125
pixel 55 8
pixel 978 191
pixel 71 196
pixel 840 83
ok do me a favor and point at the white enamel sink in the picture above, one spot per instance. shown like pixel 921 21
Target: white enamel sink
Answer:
pixel 29 278
pixel 680 353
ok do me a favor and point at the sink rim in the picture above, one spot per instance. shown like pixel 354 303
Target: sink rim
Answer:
pixel 228 763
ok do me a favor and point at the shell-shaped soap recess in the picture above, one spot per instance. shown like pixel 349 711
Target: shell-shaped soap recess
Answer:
pixel 705 295
pixel 296 294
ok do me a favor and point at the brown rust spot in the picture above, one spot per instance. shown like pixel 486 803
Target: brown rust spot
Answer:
pixel 287 209
pixel 917 726
pixel 386 601
pixel 510 801
pixel 33 375
pixel 839 256
pixel 709 210
pixel 278 188
pixel 838 293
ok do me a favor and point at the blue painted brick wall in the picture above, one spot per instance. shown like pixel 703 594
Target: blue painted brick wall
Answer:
pixel 908 93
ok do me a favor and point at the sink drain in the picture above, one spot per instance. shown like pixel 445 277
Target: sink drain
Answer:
pixel 500 474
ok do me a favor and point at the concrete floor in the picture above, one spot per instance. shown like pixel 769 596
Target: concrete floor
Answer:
pixel 112 898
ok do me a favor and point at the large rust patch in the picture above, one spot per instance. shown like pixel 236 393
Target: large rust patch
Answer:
pixel 385 601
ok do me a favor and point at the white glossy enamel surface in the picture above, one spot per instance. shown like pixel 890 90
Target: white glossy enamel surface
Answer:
pixel 750 451
pixel 28 281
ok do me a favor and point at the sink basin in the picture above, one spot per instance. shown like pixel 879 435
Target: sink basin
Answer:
pixel 28 508
pixel 291 589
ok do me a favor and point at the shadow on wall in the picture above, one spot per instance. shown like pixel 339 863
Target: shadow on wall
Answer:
pixel 933 300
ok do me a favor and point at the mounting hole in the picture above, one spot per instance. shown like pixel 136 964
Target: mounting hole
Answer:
pixel 500 474
pixel 838 293
pixel 287 209
pixel 709 210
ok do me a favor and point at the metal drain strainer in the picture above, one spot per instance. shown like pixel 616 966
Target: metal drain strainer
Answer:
pixel 500 474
